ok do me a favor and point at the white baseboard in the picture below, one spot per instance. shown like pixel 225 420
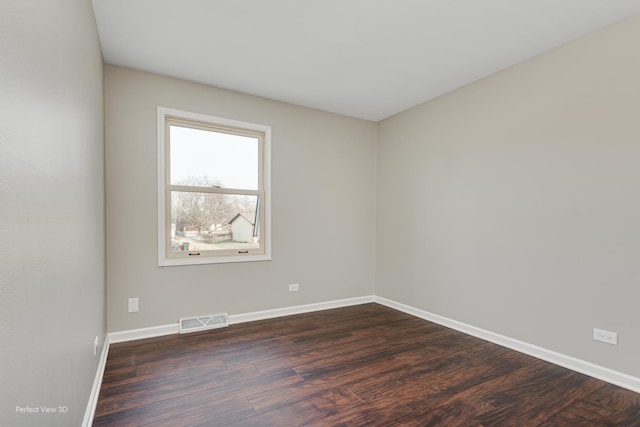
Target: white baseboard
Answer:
pixel 97 383
pixel 158 331
pixel 139 334
pixel 605 374
pixel 298 309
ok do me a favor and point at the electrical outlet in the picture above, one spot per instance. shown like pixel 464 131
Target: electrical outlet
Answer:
pixel 133 305
pixel 95 347
pixel 294 287
pixel 605 336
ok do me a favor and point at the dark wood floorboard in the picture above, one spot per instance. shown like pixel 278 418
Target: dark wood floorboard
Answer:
pixel 366 365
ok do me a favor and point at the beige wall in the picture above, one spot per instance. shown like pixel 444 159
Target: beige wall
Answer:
pixel 52 267
pixel 513 204
pixel 323 198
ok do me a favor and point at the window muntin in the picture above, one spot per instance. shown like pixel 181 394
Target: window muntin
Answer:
pixel 213 189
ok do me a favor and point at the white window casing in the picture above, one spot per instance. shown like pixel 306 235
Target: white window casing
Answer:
pixel 174 250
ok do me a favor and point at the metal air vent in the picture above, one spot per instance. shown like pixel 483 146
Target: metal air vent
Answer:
pixel 201 323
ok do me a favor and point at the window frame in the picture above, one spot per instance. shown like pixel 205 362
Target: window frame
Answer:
pixel 168 116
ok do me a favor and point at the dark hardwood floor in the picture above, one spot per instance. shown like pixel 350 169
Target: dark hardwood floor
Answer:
pixel 366 365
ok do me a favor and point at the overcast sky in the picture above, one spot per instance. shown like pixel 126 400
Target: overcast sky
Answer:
pixel 230 159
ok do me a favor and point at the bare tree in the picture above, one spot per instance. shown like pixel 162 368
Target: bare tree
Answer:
pixel 201 210
pixel 207 211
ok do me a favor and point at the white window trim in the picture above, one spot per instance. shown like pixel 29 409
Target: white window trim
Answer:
pixel 163 260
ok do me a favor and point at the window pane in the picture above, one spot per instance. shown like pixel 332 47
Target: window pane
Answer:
pixel 206 222
pixel 213 159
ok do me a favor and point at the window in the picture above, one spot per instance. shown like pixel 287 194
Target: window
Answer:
pixel 213 189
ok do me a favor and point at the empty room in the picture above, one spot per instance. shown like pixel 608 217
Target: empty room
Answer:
pixel 323 213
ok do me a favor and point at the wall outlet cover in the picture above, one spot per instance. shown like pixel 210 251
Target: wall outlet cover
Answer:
pixel 605 336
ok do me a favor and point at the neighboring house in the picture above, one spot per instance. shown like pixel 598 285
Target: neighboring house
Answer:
pixel 243 227
pixel 191 231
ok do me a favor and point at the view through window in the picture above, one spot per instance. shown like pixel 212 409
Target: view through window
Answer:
pixel 214 191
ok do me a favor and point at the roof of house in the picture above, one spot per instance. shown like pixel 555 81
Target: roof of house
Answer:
pixel 249 216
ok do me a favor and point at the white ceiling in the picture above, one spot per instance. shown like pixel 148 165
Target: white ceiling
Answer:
pixel 362 58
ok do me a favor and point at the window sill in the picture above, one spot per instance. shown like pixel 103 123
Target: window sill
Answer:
pixel 171 262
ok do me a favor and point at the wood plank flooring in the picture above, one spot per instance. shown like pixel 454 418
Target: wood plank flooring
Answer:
pixel 366 365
